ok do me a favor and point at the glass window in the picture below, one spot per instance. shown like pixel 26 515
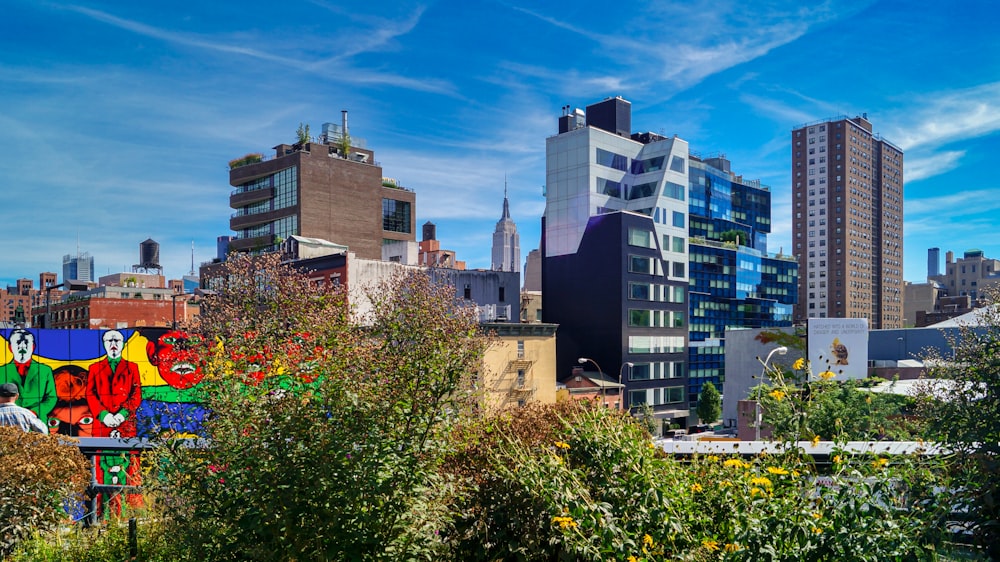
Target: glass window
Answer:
pixel 639 237
pixel 677 164
pixel 639 291
pixel 678 244
pixel 609 187
pixel 612 160
pixel 678 269
pixel 396 216
pixel 640 264
pixel 647 165
pixel 679 219
pixel 642 190
pixel 638 317
pixel 674 191
pixel 639 372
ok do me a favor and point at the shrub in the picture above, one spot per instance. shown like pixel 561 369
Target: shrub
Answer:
pixel 39 474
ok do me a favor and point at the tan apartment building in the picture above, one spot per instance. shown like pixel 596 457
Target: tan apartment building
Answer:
pixel 520 367
pixel 332 189
pixel 847 222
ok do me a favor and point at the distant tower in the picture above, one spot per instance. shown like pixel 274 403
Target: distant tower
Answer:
pixel 933 262
pixel 79 267
pixel 506 242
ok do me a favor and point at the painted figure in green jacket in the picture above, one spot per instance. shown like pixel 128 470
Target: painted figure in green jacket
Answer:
pixel 38 388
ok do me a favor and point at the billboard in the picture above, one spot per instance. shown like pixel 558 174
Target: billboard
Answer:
pixel 838 346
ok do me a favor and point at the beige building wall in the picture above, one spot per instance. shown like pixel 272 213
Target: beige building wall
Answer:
pixel 520 367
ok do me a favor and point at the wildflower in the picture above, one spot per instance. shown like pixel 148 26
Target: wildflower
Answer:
pixel 712 458
pixel 827 375
pixel 755 491
pixel 799 364
pixel 815 440
pixel 836 459
pixel 880 463
pixel 736 463
pixel 562 444
pixel 647 540
pixel 558 459
pixel 795 474
pixel 710 544
pixel 694 488
pixel 632 558
pixel 777 470
pixel 732 547
pixel 777 395
pixel 817 530
pixel 761 481
pixel 868 399
pixel 725 484
pixel 651 446
pixel 564 522
pixel 817 516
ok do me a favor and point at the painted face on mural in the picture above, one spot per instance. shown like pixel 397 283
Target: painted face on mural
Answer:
pixel 71 415
pixel 22 345
pixel 175 355
pixel 113 342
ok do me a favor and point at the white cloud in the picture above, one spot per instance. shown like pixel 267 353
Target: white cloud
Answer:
pixel 919 168
pixel 945 117
pixel 958 204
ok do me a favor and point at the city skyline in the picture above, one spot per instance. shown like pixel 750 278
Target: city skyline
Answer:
pixel 121 119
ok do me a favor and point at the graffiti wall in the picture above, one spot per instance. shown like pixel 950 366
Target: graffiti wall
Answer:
pixel 105 383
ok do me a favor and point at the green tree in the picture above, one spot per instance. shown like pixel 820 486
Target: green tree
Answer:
pixel 302 133
pixel 709 403
pixel 964 406
pixel 328 425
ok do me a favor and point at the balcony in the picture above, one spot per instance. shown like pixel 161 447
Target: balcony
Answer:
pixel 238 199
pixel 244 244
pixel 239 221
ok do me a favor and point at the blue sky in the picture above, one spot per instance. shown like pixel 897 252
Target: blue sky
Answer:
pixel 118 118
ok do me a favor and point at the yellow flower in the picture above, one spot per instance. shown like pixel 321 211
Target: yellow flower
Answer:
pixel 755 491
pixel 558 459
pixel 647 540
pixel 868 399
pixel 880 463
pixel 777 470
pixel 836 459
pixel 694 488
pixel 799 364
pixel 564 522
pixel 777 395
pixel 815 440
pixel 736 463
pixel 827 375
pixel 817 530
pixel 710 544
pixel 725 484
pixel 760 481
pixel 562 444
pixel 731 547
pixel 817 516
pixel 712 458
pixel 632 558
pixel 795 474
pixel 651 446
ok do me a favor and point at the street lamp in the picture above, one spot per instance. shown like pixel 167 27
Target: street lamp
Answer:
pixel 69 285
pixel 582 360
pixel 621 386
pixel 780 350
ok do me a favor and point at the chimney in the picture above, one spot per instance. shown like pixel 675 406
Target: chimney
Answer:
pixel 343 122
pixel 577 373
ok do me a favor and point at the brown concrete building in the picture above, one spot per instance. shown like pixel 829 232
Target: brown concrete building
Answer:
pixel 847 222
pixel 330 189
pixel 111 307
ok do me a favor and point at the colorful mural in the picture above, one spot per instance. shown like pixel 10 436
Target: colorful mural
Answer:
pixel 107 383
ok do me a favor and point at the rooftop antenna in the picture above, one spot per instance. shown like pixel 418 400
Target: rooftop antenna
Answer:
pixel 192 258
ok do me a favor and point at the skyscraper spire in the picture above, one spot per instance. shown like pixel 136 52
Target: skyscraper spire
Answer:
pixel 506 242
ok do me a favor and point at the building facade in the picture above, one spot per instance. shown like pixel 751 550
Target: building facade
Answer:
pixel 79 267
pixel 734 281
pixel 612 276
pixel 847 222
pixel 330 190
pixel 506 241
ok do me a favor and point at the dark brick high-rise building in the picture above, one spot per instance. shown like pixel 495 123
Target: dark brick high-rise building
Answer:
pixel 847 222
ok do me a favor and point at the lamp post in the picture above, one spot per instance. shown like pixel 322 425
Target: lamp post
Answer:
pixel 173 305
pixel 583 360
pixel 780 350
pixel 70 285
pixel 621 386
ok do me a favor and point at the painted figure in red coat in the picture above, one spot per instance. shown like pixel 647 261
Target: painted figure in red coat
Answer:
pixel 113 390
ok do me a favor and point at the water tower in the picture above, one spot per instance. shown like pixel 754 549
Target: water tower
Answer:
pixel 149 258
